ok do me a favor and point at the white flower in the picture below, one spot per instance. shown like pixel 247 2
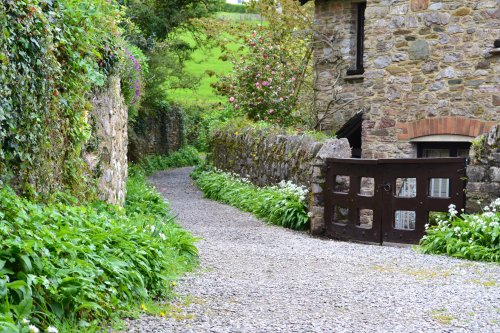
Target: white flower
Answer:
pixel 52 329
pixel 457 229
pixel 153 228
pixel 162 236
pixel 452 210
pixel 310 214
pixel 25 321
pixel 33 329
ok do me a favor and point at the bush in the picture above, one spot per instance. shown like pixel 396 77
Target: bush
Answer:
pixel 264 83
pixel 186 156
pixel 467 236
pixel 284 204
pixel 83 265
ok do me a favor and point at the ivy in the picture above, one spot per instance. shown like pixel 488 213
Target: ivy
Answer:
pixel 53 56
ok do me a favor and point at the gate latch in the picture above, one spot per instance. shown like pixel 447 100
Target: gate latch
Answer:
pixel 386 187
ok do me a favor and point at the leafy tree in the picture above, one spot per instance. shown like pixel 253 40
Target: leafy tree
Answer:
pixel 158 19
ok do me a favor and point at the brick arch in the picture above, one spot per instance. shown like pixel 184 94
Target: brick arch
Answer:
pixel 443 125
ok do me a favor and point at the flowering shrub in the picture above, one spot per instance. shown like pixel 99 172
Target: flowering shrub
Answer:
pixel 63 265
pixel 133 69
pixel 264 82
pixel 283 204
pixel 468 236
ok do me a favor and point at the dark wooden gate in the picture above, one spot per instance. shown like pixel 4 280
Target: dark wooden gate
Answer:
pixel 390 200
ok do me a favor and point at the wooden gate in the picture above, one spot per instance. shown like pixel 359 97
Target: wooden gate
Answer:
pixel 390 200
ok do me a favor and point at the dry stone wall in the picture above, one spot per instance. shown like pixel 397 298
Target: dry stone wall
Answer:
pixel 422 59
pixel 155 132
pixel 267 158
pixel 109 159
pixel 483 171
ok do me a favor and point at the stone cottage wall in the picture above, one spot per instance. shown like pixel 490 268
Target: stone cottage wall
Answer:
pixel 267 158
pixel 423 59
pixel 483 171
pixel 109 159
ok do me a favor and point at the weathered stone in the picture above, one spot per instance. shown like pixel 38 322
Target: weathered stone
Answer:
pixel 382 62
pixel 436 86
pixel 419 5
pixel 494 174
pixel 436 6
pixel 495 100
pixel 335 149
pixel 436 18
pixel 419 50
pixel 462 11
pixel 476 173
pixel 474 83
pixel 111 116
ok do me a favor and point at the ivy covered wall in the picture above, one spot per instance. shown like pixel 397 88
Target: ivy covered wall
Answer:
pixel 54 57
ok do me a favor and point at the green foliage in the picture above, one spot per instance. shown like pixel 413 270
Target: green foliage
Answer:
pixel 264 82
pixel 158 18
pixel 467 236
pixel 53 55
pixel 66 265
pixel 284 204
pixel 186 156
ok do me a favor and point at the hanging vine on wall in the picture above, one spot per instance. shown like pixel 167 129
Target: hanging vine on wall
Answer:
pixel 53 54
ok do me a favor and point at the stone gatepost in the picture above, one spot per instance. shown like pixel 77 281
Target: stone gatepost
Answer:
pixel 335 148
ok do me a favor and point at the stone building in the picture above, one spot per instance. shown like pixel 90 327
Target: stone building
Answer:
pixel 421 77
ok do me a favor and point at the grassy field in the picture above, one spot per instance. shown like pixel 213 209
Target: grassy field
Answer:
pixel 202 63
pixel 205 63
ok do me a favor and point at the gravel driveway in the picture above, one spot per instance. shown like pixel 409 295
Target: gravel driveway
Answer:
pixel 260 278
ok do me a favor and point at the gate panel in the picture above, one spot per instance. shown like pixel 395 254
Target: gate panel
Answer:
pixel 342 199
pixel 405 192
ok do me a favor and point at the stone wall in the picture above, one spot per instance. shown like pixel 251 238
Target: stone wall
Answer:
pixel 483 171
pixel 422 59
pixel 108 161
pixel 155 132
pixel 267 158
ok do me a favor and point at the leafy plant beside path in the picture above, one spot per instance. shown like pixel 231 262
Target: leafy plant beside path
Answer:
pixel 283 204
pixel 71 267
pixel 466 236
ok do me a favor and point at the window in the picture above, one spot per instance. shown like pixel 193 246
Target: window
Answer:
pixel 360 37
pixel 443 149
pixel 440 187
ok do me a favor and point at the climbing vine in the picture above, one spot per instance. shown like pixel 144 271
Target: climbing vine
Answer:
pixel 53 55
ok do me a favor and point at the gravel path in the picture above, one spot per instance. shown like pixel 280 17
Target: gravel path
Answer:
pixel 260 278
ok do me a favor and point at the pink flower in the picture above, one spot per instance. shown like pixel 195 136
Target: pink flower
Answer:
pixel 231 99
pixel 265 83
pixel 271 111
pixel 293 79
pixel 257 84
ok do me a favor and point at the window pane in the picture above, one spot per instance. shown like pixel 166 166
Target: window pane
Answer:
pixel 435 153
pixel 439 187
